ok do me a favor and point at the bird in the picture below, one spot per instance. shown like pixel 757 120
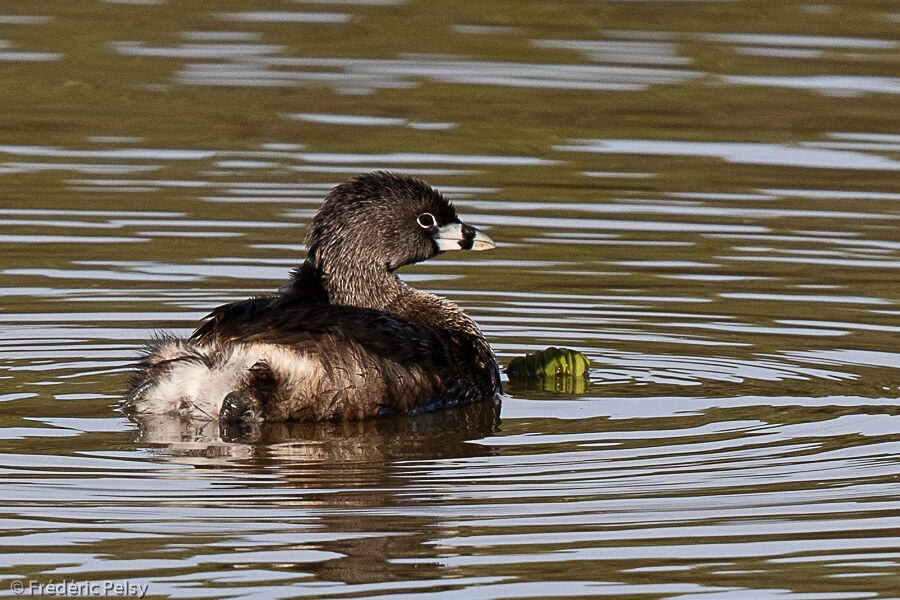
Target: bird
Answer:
pixel 344 339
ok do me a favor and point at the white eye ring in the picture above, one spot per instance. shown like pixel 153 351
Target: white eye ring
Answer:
pixel 426 221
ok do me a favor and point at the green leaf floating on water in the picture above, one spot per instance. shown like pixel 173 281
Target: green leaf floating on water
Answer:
pixel 551 370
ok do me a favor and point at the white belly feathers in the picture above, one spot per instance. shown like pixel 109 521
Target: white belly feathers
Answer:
pixel 193 380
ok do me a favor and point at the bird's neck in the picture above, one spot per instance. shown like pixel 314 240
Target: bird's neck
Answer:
pixel 360 285
pixel 378 289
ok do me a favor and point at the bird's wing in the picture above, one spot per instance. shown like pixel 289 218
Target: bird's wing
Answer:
pixel 417 364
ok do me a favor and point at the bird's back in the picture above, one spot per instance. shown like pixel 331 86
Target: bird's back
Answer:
pixel 296 360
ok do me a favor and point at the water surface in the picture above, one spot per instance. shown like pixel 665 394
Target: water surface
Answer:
pixel 700 196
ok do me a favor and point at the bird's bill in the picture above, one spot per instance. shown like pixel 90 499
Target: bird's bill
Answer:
pixel 459 236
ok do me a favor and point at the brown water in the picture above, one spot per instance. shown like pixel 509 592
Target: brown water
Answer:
pixel 703 197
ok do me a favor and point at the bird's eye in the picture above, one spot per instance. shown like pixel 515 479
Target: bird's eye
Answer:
pixel 426 221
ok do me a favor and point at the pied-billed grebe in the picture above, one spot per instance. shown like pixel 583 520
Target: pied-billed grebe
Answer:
pixel 344 338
